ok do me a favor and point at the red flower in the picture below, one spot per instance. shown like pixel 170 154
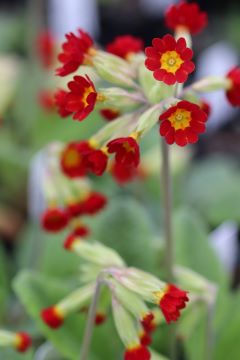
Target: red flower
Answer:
pixel 124 46
pixel 81 98
pixel 94 203
pixel 148 322
pixel 126 151
pixel 233 93
pixel 76 51
pixel 23 341
pixel 206 107
pixel 70 240
pixel 46 100
pixel 52 317
pixel 137 353
pixel 73 159
pixel 182 123
pixel 54 219
pixel 109 114
pixel 169 59
pixel 122 173
pixel 96 162
pixel 60 102
pixel 188 16
pixel 145 339
pixel 46 48
pixel 100 318
pixel 172 302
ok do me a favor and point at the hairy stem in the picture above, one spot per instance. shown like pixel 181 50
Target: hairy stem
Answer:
pixel 90 321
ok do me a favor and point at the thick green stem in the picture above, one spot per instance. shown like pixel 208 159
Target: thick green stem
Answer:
pixel 90 321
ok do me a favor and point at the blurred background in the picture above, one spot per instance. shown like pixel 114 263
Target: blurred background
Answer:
pixel 209 177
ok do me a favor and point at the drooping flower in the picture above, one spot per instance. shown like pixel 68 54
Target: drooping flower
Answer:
pixel 77 50
pixel 124 46
pixel 54 219
pixel 22 342
pixel 46 48
pixel 60 102
pixel 126 151
pixel 233 93
pixel 73 159
pixel 148 322
pixel 109 114
pixel 139 352
pixel 187 16
pixel 96 162
pixel 182 123
pixel 46 100
pixel 52 317
pixel 93 203
pixel 172 302
pixel 100 318
pixel 169 59
pixel 81 98
pixel 122 173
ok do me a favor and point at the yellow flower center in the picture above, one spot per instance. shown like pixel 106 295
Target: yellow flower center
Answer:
pixel 180 119
pixel 72 158
pixel 128 147
pixel 171 61
pixel 87 91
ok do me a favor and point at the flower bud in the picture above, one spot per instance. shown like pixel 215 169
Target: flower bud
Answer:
pixel 211 83
pixel 114 69
pixel 54 316
pixel 96 253
pixel 21 341
pixel 148 119
pixel 121 97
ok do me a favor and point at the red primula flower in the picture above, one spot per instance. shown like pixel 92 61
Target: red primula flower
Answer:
pixel 233 93
pixel 206 107
pixel 172 302
pixel 46 48
pixel 60 102
pixel 76 51
pixel 52 317
pixel 109 114
pixel 94 203
pixel 182 123
pixel 137 353
pixel 148 322
pixel 96 162
pixel 46 100
pixel 54 219
pixel 81 98
pixel 124 46
pixel 122 173
pixel 100 318
pixel 70 240
pixel 145 339
pixel 126 151
pixel 23 341
pixel 73 159
pixel 169 59
pixel 185 15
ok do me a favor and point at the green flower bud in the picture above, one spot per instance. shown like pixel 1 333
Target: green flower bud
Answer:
pixel 211 83
pixel 122 98
pixel 114 69
pixel 97 253
pixel 148 119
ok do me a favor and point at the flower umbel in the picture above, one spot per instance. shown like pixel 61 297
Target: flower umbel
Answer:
pixel 169 59
pixel 182 123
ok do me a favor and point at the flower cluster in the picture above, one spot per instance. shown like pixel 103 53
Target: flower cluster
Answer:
pixel 67 200
pixel 138 91
pixel 130 290
pixel 19 341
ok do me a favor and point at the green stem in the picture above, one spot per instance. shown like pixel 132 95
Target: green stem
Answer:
pixel 90 321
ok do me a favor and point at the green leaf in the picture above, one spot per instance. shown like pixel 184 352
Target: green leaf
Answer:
pixel 126 227
pixel 193 249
